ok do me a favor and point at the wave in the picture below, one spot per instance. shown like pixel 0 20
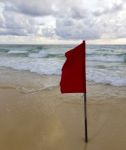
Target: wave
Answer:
pixel 91 56
pixel 17 52
pixel 106 77
pixel 41 54
pixel 4 50
pixel 49 66
pixel 111 58
pixel 38 65
pixel 45 54
pixel 103 66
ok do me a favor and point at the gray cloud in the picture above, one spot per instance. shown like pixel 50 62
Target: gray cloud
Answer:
pixel 32 8
pixel 73 20
pixel 15 24
pixel 77 29
pixel 79 13
pixel 104 11
pixel 16 32
pixel 40 7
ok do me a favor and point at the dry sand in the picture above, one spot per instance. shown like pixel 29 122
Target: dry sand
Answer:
pixel 34 117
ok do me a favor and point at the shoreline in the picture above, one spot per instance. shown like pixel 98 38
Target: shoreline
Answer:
pixel 27 72
pixel 31 81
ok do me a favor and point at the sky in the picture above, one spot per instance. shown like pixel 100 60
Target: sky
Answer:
pixel 62 21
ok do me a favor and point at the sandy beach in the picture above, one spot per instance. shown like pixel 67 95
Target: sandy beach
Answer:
pixel 35 116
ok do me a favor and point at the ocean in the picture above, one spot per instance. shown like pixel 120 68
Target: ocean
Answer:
pixel 106 64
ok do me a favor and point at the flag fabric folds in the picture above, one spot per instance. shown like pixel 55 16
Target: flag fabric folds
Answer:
pixel 73 78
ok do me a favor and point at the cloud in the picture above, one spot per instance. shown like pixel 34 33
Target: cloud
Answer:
pixel 41 7
pixel 109 10
pixel 29 7
pixel 15 24
pixel 63 19
pixel 85 28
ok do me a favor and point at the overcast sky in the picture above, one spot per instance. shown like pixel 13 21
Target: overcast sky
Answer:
pixel 63 21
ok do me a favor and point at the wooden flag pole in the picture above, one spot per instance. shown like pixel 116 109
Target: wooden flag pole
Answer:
pixel 85 117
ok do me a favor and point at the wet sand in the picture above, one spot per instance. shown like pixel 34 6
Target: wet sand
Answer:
pixel 35 117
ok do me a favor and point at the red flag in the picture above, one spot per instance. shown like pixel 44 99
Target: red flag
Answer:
pixel 73 79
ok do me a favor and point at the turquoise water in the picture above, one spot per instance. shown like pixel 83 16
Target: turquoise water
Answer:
pixel 105 63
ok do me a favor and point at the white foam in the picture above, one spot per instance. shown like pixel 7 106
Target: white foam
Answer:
pixel 38 65
pixel 17 52
pixel 106 77
pixel 40 54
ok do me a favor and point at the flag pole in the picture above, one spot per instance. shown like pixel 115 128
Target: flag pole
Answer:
pixel 85 117
pixel 85 101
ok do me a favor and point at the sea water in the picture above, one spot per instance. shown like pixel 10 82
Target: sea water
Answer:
pixel 105 63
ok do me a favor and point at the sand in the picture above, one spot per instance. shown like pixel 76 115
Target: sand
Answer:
pixel 35 117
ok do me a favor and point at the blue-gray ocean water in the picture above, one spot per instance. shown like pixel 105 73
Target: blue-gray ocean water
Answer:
pixel 105 63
